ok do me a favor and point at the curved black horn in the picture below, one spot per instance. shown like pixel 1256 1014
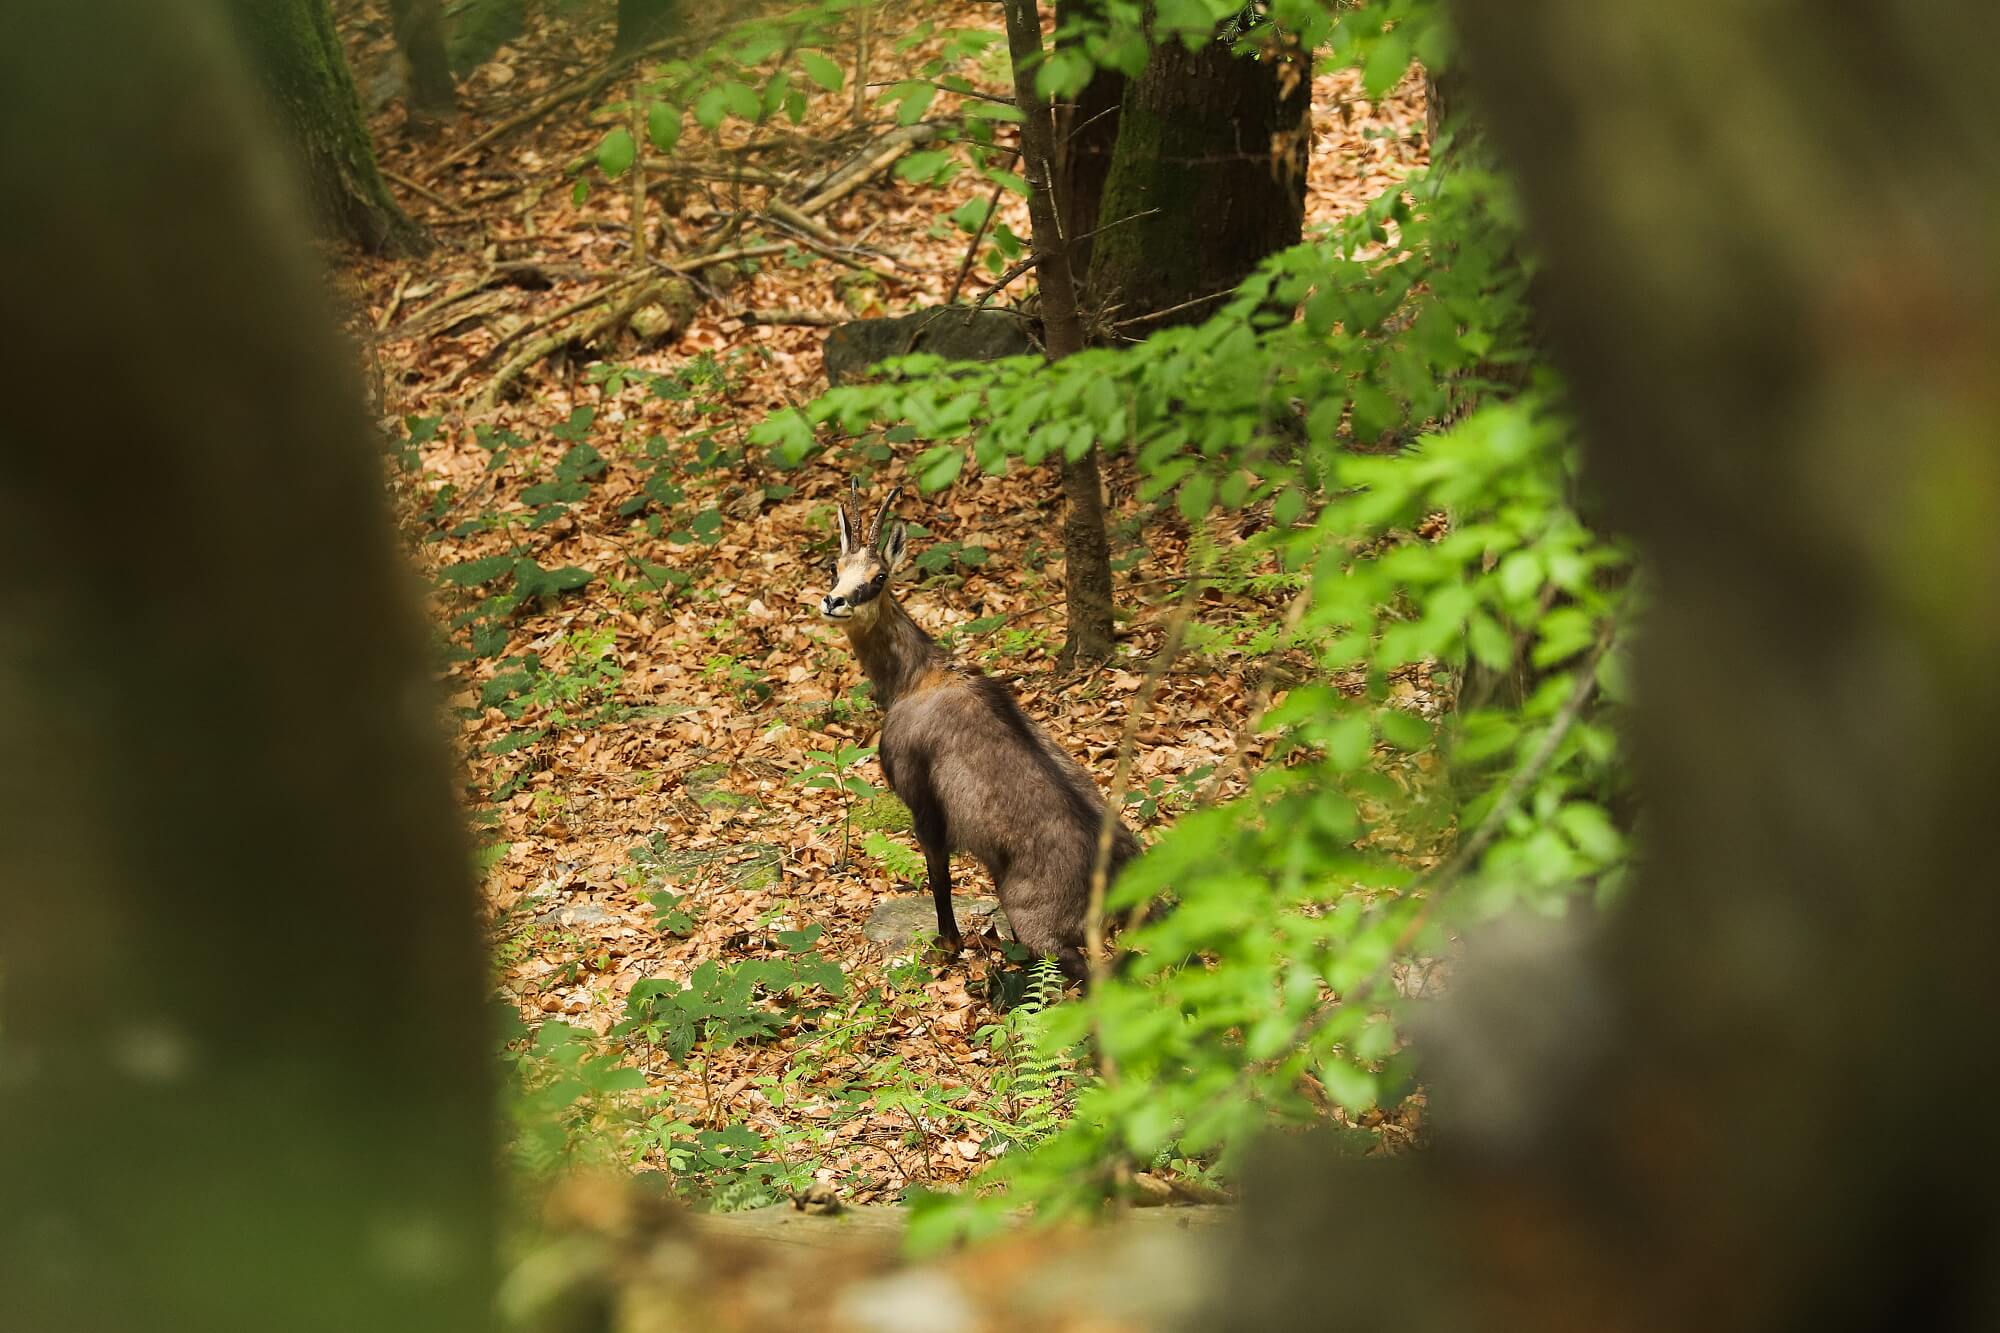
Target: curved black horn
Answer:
pixel 882 514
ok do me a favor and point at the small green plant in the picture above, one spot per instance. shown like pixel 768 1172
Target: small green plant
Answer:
pixel 1034 1077
pixel 902 861
pixel 835 771
pixel 561 1096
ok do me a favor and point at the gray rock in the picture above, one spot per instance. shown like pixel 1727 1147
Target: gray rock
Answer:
pixel 583 913
pixel 897 921
pixel 957 333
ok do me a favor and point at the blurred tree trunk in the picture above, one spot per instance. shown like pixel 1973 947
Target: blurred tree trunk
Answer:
pixel 1765 1099
pixel 1208 179
pixel 1086 130
pixel 244 1071
pixel 296 56
pixel 420 36
pixel 477 29
pixel 643 22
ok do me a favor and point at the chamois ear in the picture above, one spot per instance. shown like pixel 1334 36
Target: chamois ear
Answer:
pixel 895 546
pixel 846 531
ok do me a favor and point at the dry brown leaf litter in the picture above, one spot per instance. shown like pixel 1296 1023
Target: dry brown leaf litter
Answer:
pixel 597 793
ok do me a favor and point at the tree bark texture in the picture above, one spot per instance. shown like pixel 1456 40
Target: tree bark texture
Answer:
pixel 643 22
pixel 244 1066
pixel 420 37
pixel 297 58
pixel 1086 135
pixel 1780 312
pixel 1086 552
pixel 1208 179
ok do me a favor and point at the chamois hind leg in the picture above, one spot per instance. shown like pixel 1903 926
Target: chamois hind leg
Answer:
pixel 1033 929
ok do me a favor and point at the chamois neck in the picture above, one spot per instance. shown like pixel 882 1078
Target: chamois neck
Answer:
pixel 894 651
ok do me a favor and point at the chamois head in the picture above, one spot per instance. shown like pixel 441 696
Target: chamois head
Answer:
pixel 866 561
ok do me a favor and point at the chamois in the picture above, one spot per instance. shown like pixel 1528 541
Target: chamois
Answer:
pixel 978 776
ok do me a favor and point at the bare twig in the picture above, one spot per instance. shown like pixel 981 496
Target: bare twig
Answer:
pixel 1100 870
pixel 575 90
pixel 947 88
pixel 426 192
pixel 383 320
pixel 637 130
pixel 972 251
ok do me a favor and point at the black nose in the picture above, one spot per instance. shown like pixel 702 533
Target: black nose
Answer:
pixel 832 603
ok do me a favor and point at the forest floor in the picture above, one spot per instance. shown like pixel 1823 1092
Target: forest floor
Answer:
pixel 641 749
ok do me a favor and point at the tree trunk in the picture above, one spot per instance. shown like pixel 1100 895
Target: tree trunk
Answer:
pixel 643 22
pixel 1209 178
pixel 296 55
pixel 479 28
pixel 420 37
pixel 1783 350
pixel 244 1067
pixel 1086 553
pixel 1086 135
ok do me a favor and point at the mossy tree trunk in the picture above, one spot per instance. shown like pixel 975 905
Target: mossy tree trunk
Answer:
pixel 244 1066
pixel 1208 179
pixel 1086 130
pixel 420 37
pixel 643 22
pixel 1782 347
pixel 297 58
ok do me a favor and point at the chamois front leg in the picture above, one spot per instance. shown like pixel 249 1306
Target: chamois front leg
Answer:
pixel 927 817
pixel 938 862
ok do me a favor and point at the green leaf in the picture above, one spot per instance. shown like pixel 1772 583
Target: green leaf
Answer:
pixel 1520 575
pixel 663 125
pixel 531 580
pixel 1591 829
pixel 517 740
pixel 946 461
pixel 742 101
pixel 1405 731
pixel 1352 1087
pixel 711 108
pixel 472 573
pixel 930 167
pixel 822 71
pixel 1489 643
pixel 1196 494
pixel 615 153
pixel 1349 741
pixel 1387 62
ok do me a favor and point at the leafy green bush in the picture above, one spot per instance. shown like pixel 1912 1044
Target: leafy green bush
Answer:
pixel 1446 746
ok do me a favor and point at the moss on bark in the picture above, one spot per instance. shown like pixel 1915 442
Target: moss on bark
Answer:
pixel 1208 179
pixel 296 56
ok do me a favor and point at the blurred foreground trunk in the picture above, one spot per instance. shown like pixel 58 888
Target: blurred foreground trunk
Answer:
pixel 243 1066
pixel 1764 1100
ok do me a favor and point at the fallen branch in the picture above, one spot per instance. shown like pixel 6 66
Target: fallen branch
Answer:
pixel 808 318
pixel 548 344
pixel 851 177
pixel 426 192
pixel 575 90
pixel 395 303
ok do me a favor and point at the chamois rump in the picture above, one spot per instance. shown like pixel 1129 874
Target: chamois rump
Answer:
pixel 978 776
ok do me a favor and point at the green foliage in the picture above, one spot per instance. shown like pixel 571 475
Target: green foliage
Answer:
pixel 1413 466
pixel 901 860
